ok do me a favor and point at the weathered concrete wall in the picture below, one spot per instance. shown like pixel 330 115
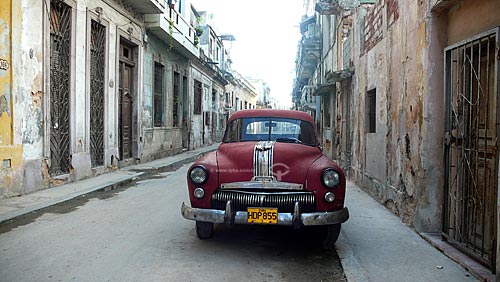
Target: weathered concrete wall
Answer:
pixel 166 140
pixel 376 79
pixel 199 131
pixel 389 162
pixel 402 59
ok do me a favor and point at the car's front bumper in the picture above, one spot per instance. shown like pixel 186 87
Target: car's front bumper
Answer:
pixel 241 217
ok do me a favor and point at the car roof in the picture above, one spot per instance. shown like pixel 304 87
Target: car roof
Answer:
pixel 272 113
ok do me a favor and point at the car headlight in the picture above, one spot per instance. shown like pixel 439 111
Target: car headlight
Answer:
pixel 330 178
pixel 198 175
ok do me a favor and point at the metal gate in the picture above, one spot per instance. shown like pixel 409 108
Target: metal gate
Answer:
pixel 60 86
pixel 97 67
pixel 471 151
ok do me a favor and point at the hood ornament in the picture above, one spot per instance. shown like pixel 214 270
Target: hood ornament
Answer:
pixel 264 145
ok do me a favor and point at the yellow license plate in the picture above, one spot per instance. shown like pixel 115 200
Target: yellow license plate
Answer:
pixel 263 215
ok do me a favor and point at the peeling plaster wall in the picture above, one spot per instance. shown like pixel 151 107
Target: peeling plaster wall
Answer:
pixel 28 79
pixel 389 163
pixel 28 91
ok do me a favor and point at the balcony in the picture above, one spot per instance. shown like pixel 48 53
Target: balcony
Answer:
pixel 333 7
pixel 175 31
pixel 309 55
pixel 307 66
pixel 147 6
pixel 307 100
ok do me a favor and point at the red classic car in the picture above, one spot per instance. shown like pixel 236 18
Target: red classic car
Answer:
pixel 269 169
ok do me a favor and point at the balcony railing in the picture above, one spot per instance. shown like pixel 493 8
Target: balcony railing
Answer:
pixel 147 6
pixel 175 31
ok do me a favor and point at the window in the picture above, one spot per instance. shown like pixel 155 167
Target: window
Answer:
pixel 198 92
pixel 211 48
pixel 214 99
pixel 158 95
pixel 207 118
pixel 286 130
pixel 370 111
pixel 177 89
pixel 327 121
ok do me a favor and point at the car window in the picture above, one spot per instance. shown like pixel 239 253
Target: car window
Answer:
pixel 270 129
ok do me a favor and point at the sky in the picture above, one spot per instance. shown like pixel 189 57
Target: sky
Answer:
pixel 267 33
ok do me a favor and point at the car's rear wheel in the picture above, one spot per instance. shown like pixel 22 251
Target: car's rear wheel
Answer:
pixel 204 230
pixel 332 234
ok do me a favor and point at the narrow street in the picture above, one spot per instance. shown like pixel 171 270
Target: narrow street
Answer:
pixel 136 233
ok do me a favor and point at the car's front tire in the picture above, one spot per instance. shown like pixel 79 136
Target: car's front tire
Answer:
pixel 204 230
pixel 332 234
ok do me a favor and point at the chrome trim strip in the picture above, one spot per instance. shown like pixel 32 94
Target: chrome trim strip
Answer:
pixel 263 185
pixel 263 159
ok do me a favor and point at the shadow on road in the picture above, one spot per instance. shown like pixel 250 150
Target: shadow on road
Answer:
pixel 299 252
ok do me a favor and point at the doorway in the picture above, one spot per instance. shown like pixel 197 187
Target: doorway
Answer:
pixel 126 100
pixel 471 151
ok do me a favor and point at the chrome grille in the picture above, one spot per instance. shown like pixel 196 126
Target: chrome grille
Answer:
pixel 241 200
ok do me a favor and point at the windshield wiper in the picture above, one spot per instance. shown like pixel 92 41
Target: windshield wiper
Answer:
pixel 288 140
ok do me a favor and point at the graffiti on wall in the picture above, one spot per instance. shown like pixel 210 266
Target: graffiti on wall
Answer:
pixel 4 64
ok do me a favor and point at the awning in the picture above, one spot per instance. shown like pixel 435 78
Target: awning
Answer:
pixel 324 89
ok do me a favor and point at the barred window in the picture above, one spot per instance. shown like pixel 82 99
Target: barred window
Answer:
pixel 158 95
pixel 177 90
pixel 198 92
pixel 371 105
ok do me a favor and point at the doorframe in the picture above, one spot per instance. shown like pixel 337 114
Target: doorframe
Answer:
pixel 92 15
pixel 46 79
pixel 494 265
pixel 123 37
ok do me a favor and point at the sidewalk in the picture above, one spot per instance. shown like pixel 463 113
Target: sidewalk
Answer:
pixel 375 245
pixel 17 206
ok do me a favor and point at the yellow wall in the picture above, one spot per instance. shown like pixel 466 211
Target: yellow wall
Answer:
pixel 5 74
pixel 11 161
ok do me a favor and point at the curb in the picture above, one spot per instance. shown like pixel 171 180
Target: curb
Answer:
pixel 353 270
pixel 168 167
pixel 57 200
pixel 137 173
pixel 476 269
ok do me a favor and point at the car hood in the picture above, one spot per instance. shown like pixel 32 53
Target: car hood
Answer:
pixel 290 162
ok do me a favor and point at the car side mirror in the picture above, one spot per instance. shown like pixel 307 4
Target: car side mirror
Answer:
pixel 320 147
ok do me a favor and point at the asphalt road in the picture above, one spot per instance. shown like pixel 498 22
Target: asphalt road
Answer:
pixel 136 233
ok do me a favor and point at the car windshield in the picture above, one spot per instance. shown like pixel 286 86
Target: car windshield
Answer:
pixel 270 129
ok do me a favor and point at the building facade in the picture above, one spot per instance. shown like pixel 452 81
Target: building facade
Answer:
pixel 408 108
pixel 89 86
